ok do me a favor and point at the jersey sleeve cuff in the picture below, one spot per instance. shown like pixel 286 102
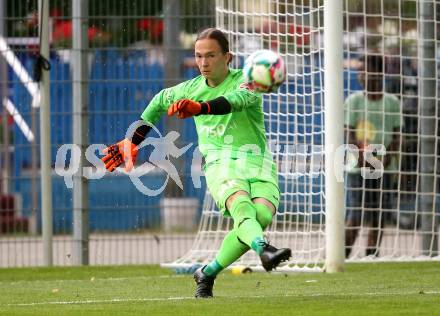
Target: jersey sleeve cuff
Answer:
pixel 217 106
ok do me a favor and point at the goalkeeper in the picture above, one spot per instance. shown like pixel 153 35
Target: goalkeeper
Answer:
pixel 240 172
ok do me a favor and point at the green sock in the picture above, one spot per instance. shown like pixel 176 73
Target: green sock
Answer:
pixel 258 244
pixel 264 215
pixel 244 214
pixel 231 249
pixel 213 268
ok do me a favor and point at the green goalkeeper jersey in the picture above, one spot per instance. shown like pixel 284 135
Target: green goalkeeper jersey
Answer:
pixel 237 134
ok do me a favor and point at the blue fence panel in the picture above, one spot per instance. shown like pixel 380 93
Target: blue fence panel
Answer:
pixel 22 100
pixel 114 204
pixel 61 119
pixel 61 105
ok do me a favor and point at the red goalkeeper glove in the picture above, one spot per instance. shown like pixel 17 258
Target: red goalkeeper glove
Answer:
pixel 124 151
pixel 187 108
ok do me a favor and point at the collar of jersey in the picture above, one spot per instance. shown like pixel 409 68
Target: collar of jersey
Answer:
pixel 207 85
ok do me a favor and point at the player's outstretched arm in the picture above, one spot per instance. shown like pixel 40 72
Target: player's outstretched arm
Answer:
pixel 125 151
pixel 186 108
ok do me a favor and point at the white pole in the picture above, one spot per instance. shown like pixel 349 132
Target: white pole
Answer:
pixel 334 134
pixel 80 130
pixel 46 182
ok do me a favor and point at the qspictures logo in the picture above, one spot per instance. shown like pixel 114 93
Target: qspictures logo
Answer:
pixel 291 161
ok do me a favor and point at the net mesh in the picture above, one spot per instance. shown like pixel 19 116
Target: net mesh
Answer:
pixel 393 218
pixel 294 125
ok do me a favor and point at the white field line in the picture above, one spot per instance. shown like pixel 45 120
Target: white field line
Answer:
pixel 21 123
pixel 21 72
pixel 185 298
pixel 97 279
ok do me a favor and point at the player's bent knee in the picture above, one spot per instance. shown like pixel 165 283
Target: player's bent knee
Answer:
pixel 241 209
pixel 230 200
pixel 264 215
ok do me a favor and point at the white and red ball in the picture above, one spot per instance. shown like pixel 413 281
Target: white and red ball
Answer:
pixel 264 71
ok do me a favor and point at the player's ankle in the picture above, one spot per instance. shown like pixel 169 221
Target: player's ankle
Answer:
pixel 212 269
pixel 258 245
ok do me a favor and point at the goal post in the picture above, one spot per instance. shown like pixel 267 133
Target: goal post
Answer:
pixel 334 123
pixel 326 47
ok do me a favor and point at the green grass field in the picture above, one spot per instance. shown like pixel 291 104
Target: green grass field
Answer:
pixel 364 289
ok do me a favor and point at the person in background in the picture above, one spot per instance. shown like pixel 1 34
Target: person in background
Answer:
pixel 373 117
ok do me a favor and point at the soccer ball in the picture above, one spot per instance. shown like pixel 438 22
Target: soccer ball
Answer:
pixel 264 71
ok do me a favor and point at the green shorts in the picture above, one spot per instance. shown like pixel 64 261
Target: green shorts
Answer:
pixel 225 180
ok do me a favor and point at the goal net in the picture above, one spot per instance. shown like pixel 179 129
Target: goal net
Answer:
pixel 394 218
pixel 391 64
